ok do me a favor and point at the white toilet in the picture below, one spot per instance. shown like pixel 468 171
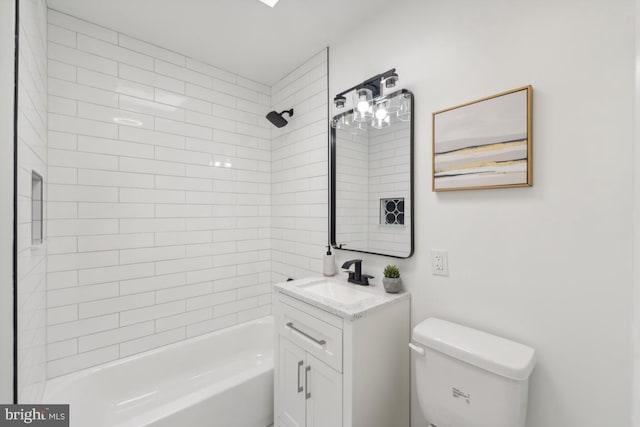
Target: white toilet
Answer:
pixel 469 378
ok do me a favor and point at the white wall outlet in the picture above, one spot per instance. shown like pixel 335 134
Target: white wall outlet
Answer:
pixel 439 263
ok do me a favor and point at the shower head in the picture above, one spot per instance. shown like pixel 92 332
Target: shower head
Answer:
pixel 277 119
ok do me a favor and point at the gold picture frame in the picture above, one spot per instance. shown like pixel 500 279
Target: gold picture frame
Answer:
pixel 485 143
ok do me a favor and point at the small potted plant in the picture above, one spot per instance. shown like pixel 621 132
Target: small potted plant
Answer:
pixel 391 280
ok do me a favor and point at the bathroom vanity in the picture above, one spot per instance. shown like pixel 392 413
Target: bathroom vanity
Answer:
pixel 341 356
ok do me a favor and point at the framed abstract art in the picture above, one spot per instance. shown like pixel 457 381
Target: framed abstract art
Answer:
pixel 485 143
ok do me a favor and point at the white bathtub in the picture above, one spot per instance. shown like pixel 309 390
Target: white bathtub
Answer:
pixel 222 379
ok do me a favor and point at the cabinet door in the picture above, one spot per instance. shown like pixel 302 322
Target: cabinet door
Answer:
pixel 324 394
pixel 291 385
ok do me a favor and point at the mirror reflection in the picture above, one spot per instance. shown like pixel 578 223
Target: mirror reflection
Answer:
pixel 372 175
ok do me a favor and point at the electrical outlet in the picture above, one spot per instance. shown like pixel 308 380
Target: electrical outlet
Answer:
pixel 439 263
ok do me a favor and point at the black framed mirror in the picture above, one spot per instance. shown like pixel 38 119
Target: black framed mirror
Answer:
pixel 371 194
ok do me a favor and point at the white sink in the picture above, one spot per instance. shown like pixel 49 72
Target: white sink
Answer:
pixel 342 294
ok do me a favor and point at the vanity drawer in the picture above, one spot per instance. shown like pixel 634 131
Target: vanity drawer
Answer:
pixel 318 338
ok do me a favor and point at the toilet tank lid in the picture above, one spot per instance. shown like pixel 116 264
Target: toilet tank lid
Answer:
pixel 489 352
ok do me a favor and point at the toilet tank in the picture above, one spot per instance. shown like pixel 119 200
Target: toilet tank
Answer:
pixel 469 378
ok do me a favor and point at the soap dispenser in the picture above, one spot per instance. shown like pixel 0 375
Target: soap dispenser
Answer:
pixel 329 265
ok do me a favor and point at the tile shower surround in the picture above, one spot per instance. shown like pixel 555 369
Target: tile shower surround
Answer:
pixel 159 197
pixel 160 194
pixel 32 156
pixel 299 163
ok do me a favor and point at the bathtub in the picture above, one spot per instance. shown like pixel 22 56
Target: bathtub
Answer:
pixel 222 379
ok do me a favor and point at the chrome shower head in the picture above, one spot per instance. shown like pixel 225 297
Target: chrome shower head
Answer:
pixel 277 119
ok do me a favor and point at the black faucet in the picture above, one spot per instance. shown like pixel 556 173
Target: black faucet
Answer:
pixel 356 276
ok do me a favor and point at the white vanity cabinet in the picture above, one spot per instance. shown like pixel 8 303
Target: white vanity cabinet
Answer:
pixel 340 368
pixel 310 391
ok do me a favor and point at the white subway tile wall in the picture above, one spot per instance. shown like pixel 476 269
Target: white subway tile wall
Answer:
pixel 159 224
pixel 352 196
pixel 32 157
pixel 299 162
pixel 389 157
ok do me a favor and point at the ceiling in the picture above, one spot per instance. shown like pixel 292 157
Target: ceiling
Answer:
pixel 246 37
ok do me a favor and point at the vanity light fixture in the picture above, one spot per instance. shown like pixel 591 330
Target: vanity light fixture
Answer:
pixel 270 3
pixel 390 81
pixel 381 110
pixel 345 122
pixel 404 113
pixel 373 84
pixel 381 117
pixel 381 123
pixel 362 99
pixel 369 106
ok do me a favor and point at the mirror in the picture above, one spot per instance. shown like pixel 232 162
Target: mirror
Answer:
pixel 372 177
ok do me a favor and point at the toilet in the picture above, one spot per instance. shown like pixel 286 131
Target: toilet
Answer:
pixel 469 378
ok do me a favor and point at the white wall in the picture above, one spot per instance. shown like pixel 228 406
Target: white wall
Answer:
pixel 32 157
pixel 7 49
pixel 550 265
pixel 157 232
pixel 299 166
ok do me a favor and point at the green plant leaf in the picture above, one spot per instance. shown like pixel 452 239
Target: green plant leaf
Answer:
pixel 391 271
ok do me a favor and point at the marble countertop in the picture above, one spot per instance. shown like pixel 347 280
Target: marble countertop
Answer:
pixel 376 299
